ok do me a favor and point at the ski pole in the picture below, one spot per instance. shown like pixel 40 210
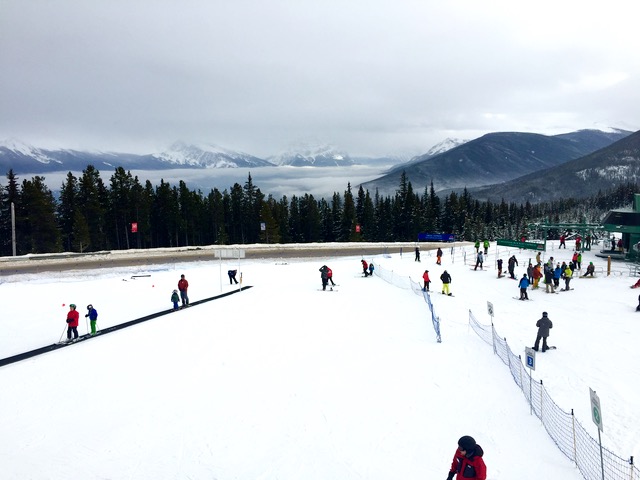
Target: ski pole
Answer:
pixel 62 334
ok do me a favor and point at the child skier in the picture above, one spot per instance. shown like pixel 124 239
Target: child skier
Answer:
pixel 175 298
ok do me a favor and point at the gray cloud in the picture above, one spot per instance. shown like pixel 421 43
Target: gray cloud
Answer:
pixel 372 77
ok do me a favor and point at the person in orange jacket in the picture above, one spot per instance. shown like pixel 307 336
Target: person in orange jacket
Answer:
pixel 467 461
pixel 425 277
pixel 537 275
pixel 73 318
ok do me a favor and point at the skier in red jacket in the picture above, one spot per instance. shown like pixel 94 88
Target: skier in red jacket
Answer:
pixel 425 277
pixel 72 322
pixel 467 461
pixel 365 267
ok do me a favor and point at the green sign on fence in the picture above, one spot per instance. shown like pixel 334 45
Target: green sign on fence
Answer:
pixel 527 245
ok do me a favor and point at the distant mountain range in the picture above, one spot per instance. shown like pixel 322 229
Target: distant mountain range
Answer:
pixel 494 158
pixel 513 166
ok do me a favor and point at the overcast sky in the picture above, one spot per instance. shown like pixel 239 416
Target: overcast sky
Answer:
pixel 371 77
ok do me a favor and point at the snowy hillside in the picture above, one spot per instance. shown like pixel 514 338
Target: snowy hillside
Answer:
pixel 444 146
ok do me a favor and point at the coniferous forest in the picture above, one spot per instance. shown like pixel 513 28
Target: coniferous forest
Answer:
pixel 91 215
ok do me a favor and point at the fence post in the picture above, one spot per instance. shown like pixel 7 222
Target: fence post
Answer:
pixel 573 434
pixel 631 467
pixel 493 339
pixel 541 394
pixel 507 350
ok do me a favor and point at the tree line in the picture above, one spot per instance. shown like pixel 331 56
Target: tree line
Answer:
pixel 90 215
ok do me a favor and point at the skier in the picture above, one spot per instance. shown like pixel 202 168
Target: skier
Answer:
pixel 477 246
pixel 330 276
pixel 365 266
pixel 324 276
pixel 548 279
pixel 425 277
pixel 485 244
pixel 439 256
pixel 544 325
pixel 175 298
pixel 417 254
pixel 562 244
pixel 93 318
pixel 479 261
pixel 73 318
pixel 524 283
pixel 499 268
pixel 557 274
pixel 446 280
pixel 467 461
pixel 183 285
pixel 371 268
pixel 232 276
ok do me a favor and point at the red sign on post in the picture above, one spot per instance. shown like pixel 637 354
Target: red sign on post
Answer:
pixel 357 228
pixel 134 227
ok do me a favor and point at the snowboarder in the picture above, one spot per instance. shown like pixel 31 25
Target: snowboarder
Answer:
pixel 92 313
pixel 467 461
pixel 232 276
pixel 590 270
pixel 425 278
pixel 548 280
pixel 324 276
pixel 183 286
pixel 371 269
pixel 544 325
pixel 499 268
pixel 73 318
pixel 479 261
pixel 175 298
pixel 365 266
pixel 439 256
pixel 446 280
pixel 417 254
pixel 524 284
pixel 567 274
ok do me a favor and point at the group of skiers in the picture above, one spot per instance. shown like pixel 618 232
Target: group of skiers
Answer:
pixel 73 319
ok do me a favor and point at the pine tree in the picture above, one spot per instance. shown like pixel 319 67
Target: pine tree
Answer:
pixel 38 223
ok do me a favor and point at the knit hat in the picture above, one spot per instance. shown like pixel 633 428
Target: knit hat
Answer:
pixel 467 443
pixel 544 314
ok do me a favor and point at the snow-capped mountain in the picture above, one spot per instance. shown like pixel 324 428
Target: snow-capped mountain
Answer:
pixel 182 154
pixel 312 156
pixel 444 146
pixel 20 151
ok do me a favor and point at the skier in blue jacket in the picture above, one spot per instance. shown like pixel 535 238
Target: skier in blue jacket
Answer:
pixel 93 318
pixel 524 284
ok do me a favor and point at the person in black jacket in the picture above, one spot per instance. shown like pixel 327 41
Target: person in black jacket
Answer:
pixel 446 280
pixel 512 265
pixel 544 325
pixel 324 276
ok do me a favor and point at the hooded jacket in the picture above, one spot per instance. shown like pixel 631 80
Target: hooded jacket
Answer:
pixel 544 325
pixel 470 466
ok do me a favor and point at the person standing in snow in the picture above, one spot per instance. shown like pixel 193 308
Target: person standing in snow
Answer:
pixel 425 278
pixel 324 276
pixel 92 313
pixel 548 280
pixel 175 298
pixel 512 265
pixel 446 280
pixel 544 325
pixel 365 266
pixel 524 284
pixel 232 276
pixel 499 268
pixel 567 274
pixel 417 254
pixel 439 256
pixel 183 286
pixel 371 269
pixel 477 246
pixel 557 274
pixel 468 463
pixel 479 261
pixel 562 240
pixel 330 276
pixel 537 275
pixel 73 318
